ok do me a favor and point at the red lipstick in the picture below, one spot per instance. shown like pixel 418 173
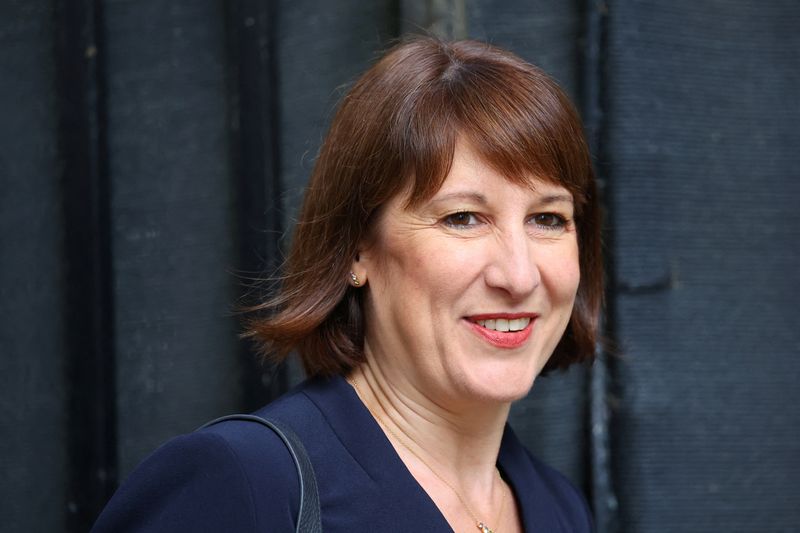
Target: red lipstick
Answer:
pixel 502 339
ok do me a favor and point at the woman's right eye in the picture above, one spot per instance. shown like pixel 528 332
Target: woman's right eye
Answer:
pixel 462 219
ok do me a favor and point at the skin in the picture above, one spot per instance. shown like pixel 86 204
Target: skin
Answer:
pixel 482 245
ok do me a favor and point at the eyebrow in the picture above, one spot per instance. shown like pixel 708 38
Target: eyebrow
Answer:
pixel 556 198
pixel 482 200
pixel 473 196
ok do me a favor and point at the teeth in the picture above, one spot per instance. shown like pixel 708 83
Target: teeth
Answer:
pixel 518 324
pixel 502 324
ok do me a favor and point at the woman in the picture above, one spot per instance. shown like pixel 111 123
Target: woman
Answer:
pixel 447 253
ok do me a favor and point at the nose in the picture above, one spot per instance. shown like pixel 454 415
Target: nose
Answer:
pixel 512 264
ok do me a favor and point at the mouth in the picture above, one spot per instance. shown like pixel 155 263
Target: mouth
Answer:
pixel 504 324
pixel 503 330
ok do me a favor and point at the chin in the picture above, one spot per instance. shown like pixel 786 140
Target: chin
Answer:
pixel 504 385
pixel 509 396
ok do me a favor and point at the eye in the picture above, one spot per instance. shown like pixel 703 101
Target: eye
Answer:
pixel 462 219
pixel 550 221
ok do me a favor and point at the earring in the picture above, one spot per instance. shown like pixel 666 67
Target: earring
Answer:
pixel 354 278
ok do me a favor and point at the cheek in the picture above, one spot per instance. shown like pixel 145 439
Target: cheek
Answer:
pixel 430 264
pixel 563 274
pixel 572 277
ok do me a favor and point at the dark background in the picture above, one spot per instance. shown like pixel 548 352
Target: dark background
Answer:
pixel 152 153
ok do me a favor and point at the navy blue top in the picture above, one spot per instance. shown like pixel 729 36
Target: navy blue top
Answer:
pixel 238 476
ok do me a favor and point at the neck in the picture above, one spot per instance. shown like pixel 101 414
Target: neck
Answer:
pixel 460 440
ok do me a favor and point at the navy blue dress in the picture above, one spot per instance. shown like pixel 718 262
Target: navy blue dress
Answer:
pixel 238 476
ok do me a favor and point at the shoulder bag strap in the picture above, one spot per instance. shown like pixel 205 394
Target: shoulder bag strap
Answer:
pixel 308 516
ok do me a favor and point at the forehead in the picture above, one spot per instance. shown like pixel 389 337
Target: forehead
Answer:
pixel 469 172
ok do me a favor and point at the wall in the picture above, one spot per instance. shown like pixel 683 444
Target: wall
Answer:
pixel 152 154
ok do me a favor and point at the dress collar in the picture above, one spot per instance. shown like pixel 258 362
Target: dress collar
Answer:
pixel 361 435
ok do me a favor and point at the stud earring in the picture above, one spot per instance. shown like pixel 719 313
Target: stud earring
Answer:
pixel 354 278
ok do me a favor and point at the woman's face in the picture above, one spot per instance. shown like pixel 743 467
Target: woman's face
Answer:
pixel 470 292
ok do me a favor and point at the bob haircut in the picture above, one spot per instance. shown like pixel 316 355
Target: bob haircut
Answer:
pixel 396 131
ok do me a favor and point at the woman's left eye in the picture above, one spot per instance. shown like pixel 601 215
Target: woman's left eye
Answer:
pixel 462 219
pixel 550 221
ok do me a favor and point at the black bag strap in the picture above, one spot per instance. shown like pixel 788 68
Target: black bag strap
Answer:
pixel 309 519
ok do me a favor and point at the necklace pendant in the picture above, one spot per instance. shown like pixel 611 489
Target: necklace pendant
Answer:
pixel 484 528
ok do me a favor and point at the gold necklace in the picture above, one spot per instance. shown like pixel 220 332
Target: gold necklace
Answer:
pixel 481 526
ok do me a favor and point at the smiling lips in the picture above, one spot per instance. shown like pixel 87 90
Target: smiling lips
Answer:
pixel 503 330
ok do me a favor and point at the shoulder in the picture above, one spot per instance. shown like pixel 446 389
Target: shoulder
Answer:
pixel 568 504
pixel 571 501
pixel 549 501
pixel 233 476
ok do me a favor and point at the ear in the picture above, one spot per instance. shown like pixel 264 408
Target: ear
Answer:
pixel 357 276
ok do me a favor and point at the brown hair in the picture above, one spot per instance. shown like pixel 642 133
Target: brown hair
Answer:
pixel 396 129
